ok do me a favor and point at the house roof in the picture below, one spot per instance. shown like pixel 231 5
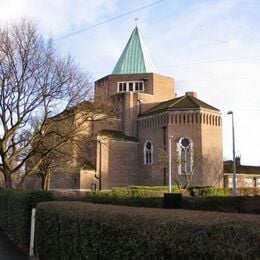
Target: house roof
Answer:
pixel 181 103
pixel 242 169
pixel 116 135
pixel 135 57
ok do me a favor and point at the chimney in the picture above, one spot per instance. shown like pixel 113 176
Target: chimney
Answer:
pixel 238 161
pixel 191 93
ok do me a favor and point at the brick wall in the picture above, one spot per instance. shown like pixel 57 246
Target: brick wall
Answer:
pixel 119 163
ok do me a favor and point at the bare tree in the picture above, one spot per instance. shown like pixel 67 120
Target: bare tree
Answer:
pixel 68 142
pixel 36 84
pixel 183 178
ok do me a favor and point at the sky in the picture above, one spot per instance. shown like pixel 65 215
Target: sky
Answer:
pixel 208 46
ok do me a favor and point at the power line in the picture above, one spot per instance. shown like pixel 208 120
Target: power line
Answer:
pixel 108 20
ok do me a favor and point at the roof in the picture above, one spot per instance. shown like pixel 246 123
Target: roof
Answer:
pixel 135 57
pixel 181 103
pixel 242 169
pixel 117 135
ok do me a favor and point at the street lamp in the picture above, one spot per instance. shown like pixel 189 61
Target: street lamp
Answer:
pixel 234 155
pixel 170 163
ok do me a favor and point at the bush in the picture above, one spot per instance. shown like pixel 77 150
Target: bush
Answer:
pixel 146 191
pixel 225 204
pixel 205 191
pixel 124 198
pixel 76 230
pixel 15 212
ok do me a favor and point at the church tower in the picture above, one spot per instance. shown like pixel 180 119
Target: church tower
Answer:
pixel 134 85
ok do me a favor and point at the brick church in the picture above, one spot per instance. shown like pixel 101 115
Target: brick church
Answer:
pixel 132 149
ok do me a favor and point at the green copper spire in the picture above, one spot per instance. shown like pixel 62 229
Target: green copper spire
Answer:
pixel 135 57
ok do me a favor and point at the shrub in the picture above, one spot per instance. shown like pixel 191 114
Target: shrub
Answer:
pixel 124 198
pixel 15 212
pixel 205 191
pixel 226 204
pixel 76 230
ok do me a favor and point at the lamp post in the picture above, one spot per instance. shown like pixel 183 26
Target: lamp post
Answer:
pixel 170 163
pixel 234 155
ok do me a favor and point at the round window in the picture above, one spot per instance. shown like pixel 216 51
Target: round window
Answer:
pixel 185 142
pixel 148 146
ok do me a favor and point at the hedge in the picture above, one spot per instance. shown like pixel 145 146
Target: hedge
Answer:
pixel 77 230
pixel 206 191
pixel 153 198
pixel 240 204
pixel 15 212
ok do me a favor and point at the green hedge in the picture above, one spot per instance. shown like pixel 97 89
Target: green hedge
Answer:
pixel 139 199
pixel 151 191
pixel 206 191
pixel 226 204
pixel 143 196
pixel 15 212
pixel 76 230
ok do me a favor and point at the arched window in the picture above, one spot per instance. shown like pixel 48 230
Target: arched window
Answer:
pixel 185 156
pixel 148 153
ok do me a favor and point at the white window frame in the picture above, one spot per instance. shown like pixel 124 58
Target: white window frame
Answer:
pixel 148 154
pixel 182 162
pixel 248 182
pixel 123 86
pixel 230 182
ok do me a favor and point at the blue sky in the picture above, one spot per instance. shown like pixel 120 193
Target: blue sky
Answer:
pixel 208 46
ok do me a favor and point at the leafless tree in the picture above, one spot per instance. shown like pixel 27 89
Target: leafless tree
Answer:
pixel 36 84
pixel 183 180
pixel 68 142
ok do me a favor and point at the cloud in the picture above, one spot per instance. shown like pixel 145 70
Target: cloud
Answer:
pixel 57 17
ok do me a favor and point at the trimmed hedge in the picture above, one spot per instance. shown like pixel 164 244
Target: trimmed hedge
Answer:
pixel 206 191
pixel 76 230
pixel 154 198
pixel 15 212
pixel 225 204
pixel 124 198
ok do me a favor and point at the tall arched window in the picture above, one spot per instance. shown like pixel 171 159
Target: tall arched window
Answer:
pixel 148 153
pixel 185 156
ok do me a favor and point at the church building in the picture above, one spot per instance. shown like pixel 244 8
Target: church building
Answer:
pixel 134 148
pixel 149 114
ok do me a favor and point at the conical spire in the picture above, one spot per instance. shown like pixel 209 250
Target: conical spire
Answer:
pixel 135 57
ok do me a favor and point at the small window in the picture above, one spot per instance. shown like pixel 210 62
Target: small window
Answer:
pixel 230 182
pixel 120 87
pixel 148 153
pixel 136 86
pixel 130 85
pixel 124 86
pixel 248 182
pixel 257 182
pixel 141 86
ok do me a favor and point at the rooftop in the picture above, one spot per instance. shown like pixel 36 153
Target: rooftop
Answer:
pixel 135 57
pixel 181 103
pixel 116 135
pixel 243 169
